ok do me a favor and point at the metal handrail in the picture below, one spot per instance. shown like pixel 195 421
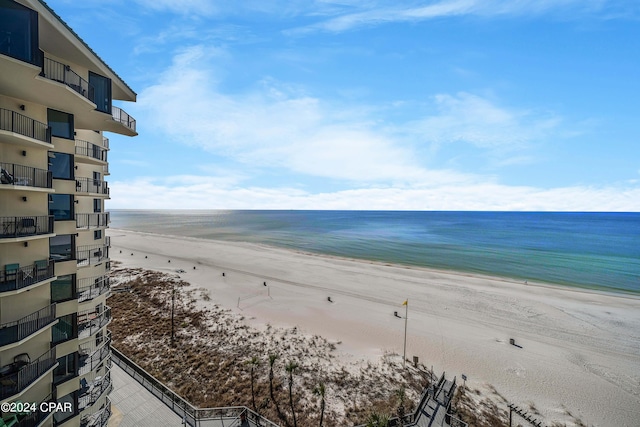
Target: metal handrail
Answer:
pixel 25 276
pixel 92 254
pixel 16 382
pixel 62 73
pixel 17 330
pixel 35 418
pixel 190 414
pixel 15 122
pixel 89 185
pixel 92 287
pixel 93 394
pixel 99 418
pixel 23 226
pixel 119 115
pixel 25 176
pixel 86 148
pixel 94 355
pixel 92 220
pixel 93 325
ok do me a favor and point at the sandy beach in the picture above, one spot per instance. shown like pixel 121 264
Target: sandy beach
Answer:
pixel 577 351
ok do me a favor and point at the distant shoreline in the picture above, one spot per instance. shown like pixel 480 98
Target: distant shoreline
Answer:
pixel 624 293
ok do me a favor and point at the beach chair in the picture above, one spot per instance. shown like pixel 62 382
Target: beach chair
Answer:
pixel 9 420
pixel 11 272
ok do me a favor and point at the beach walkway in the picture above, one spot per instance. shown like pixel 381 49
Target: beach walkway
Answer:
pixel 133 405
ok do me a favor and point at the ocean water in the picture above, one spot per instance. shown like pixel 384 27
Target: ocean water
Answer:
pixel 592 250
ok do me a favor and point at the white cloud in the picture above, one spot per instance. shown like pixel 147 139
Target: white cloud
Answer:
pixel 200 192
pixel 184 7
pixel 276 126
pixel 372 13
pixel 470 118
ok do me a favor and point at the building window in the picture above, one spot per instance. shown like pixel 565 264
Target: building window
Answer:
pixel 61 124
pixel 61 206
pixel 61 248
pixel 62 416
pixel 97 234
pixel 67 368
pixel 19 32
pixel 65 329
pixel 102 90
pixel 97 205
pixel 61 165
pixel 64 288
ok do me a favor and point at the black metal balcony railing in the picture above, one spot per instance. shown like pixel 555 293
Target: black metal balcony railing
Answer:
pixel 91 254
pixel 90 322
pixel 105 142
pixel 24 226
pixel 12 279
pixel 100 418
pixel 92 220
pixel 20 329
pixel 19 378
pixel 18 123
pixel 91 392
pixel 119 115
pixel 56 71
pixel 35 418
pixel 92 287
pixel 91 356
pixel 85 148
pixel 88 185
pixel 25 176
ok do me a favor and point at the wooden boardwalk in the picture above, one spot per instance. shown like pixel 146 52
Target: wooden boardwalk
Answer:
pixel 134 405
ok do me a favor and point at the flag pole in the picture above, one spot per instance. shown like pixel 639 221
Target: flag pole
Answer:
pixel 406 316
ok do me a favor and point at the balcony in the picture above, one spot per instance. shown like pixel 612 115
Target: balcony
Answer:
pixel 20 329
pixel 91 321
pixel 61 73
pixel 99 418
pixel 88 221
pixel 95 153
pixel 24 176
pixel 124 122
pixel 91 356
pixel 35 418
pixel 20 129
pixel 92 287
pixel 15 277
pixel 92 254
pixel 90 392
pixel 105 142
pixel 16 377
pixel 13 227
pixel 91 186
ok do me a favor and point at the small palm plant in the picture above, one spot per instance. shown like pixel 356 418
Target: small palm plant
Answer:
pixel 401 395
pixel 291 367
pixel 272 361
pixel 320 390
pixel 254 362
pixel 378 420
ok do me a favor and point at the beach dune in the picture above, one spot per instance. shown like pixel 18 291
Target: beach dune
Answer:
pixel 575 351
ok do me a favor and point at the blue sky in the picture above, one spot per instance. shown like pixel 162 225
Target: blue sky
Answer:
pixel 361 104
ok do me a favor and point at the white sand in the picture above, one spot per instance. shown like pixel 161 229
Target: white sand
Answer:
pixel 580 350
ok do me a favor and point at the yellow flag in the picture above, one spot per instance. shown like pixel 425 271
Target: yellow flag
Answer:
pixel 405 302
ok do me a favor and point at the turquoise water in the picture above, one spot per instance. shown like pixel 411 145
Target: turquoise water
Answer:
pixel 594 250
